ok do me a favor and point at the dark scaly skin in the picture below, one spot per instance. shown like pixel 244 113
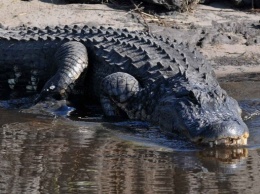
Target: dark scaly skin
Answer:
pixel 147 78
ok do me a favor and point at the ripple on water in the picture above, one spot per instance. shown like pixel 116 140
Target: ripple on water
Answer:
pixel 62 156
pixel 44 154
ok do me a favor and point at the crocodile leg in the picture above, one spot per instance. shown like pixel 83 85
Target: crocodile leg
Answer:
pixel 71 59
pixel 117 90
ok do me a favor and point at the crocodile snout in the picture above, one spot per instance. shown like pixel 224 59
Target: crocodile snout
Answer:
pixel 224 133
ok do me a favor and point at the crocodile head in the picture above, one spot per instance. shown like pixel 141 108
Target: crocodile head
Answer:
pixel 205 116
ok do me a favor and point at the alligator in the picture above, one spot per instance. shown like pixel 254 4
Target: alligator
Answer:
pixel 134 74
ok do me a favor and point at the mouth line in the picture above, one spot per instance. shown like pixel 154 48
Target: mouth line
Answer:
pixel 229 141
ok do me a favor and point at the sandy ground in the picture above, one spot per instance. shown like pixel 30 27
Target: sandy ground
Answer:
pixel 41 13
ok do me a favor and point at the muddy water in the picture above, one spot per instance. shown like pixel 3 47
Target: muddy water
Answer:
pixel 44 154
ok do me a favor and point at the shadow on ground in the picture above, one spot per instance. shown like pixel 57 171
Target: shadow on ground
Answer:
pixel 57 2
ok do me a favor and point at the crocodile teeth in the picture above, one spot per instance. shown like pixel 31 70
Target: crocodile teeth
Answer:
pixel 230 141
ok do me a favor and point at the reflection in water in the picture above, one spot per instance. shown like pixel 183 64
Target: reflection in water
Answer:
pixel 43 154
pixel 60 156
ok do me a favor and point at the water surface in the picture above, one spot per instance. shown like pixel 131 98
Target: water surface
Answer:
pixel 46 154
